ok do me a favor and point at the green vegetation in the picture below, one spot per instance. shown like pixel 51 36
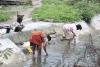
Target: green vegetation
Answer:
pixel 87 10
pixel 4 8
pixel 67 10
pixel 5 53
pixel 57 13
pixel 4 16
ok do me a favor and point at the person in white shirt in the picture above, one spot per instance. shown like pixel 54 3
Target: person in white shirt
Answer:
pixel 19 24
pixel 69 31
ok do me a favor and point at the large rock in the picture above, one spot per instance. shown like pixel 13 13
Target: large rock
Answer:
pixel 16 56
pixel 95 22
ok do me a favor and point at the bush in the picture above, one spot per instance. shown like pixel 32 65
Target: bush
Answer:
pixel 87 10
pixel 59 13
pixel 71 2
pixel 4 16
pixel 55 2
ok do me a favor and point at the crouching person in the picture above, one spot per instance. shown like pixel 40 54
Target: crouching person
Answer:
pixel 19 27
pixel 19 24
pixel 36 40
pixel 69 31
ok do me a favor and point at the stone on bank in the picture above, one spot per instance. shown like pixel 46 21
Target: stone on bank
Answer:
pixel 16 56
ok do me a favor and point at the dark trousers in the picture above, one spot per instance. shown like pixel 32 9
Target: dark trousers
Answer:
pixel 16 29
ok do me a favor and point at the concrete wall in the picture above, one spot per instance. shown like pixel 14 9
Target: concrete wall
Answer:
pixel 52 28
pixel 18 37
pixel 16 56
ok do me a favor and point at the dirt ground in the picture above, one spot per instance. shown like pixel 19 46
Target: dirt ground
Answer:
pixel 21 11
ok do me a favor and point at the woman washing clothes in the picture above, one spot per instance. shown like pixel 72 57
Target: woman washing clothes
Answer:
pixel 69 31
pixel 36 40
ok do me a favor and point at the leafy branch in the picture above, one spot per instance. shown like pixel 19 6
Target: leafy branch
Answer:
pixel 5 53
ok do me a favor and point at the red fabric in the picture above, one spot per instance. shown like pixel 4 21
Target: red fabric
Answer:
pixel 37 37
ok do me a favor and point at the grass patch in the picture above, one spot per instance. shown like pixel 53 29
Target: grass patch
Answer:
pixel 67 10
pixel 59 13
pixel 55 2
pixel 5 7
pixel 4 16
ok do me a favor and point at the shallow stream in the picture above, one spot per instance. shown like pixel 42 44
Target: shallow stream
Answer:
pixel 61 54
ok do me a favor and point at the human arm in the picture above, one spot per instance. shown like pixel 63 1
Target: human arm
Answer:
pixel 44 46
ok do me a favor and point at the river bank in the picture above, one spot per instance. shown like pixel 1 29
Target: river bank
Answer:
pixel 59 51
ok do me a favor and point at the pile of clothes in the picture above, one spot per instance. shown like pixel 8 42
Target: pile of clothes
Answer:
pixel 26 45
pixel 5 29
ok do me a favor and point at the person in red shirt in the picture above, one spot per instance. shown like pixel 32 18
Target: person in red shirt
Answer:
pixel 36 39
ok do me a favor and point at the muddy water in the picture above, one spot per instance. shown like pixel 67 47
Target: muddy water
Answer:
pixel 61 54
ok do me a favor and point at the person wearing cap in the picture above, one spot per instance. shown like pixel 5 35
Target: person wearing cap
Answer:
pixel 36 39
pixel 69 31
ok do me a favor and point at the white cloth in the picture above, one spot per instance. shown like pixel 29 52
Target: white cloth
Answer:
pixel 3 31
pixel 45 39
pixel 18 24
pixel 26 44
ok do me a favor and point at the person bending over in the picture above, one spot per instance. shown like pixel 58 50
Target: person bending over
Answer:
pixel 36 39
pixel 69 31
